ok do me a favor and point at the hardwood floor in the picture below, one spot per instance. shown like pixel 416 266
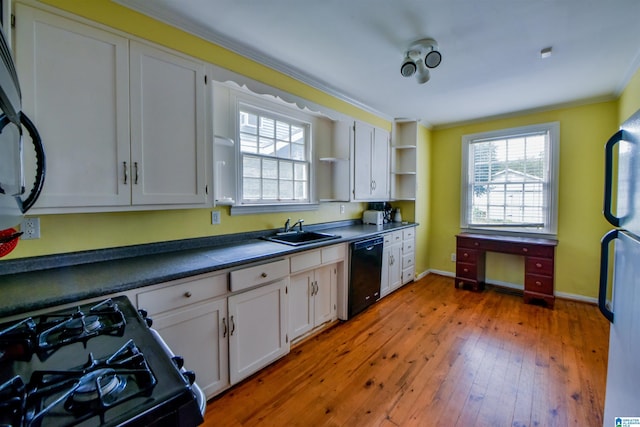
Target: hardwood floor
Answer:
pixel 433 355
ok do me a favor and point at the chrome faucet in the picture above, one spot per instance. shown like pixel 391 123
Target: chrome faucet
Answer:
pixel 288 228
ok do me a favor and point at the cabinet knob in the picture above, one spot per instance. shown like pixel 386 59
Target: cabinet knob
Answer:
pixel 538 283
pixel 538 265
pixel 525 250
pixel 188 294
pixel 466 255
pixel 466 270
pixel 263 275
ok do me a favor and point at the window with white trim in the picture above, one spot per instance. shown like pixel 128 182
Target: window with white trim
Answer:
pixel 509 180
pixel 274 157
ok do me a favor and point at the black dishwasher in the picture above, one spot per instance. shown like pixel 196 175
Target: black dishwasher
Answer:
pixel 365 272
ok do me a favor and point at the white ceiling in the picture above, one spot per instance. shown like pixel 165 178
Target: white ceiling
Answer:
pixel 491 62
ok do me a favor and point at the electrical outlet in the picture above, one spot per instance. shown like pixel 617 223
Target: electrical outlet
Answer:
pixel 30 228
pixel 453 257
pixel 342 209
pixel 215 217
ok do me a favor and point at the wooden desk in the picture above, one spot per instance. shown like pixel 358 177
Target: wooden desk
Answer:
pixel 538 262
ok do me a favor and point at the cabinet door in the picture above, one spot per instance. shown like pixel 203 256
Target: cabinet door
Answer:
pixel 200 334
pixel 167 127
pixel 301 306
pixel 325 278
pixel 385 288
pixel 380 165
pixel 75 88
pixel 258 335
pixel 363 150
pixel 395 266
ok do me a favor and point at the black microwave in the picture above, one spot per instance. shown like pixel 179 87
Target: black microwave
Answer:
pixel 13 123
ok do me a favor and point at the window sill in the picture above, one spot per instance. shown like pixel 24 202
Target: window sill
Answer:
pixel 254 209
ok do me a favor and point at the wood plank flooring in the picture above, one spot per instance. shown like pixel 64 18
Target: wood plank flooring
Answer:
pixel 433 355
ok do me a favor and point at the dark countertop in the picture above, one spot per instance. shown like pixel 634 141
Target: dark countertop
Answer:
pixel 41 282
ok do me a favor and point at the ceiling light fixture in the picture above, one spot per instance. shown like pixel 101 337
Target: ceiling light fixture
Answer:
pixel 421 55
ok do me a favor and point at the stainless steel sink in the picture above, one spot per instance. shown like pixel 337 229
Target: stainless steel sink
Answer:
pixel 299 238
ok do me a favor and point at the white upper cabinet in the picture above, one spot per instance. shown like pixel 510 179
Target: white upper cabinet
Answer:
pixel 122 123
pixel 167 127
pixel 371 163
pixel 75 87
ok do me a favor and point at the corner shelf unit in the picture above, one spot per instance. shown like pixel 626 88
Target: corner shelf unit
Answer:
pixel 404 150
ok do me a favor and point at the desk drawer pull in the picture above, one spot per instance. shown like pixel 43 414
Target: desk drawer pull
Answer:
pixel 538 265
pixel 466 255
pixel 538 283
pixel 476 244
pixel 466 270
pixel 525 250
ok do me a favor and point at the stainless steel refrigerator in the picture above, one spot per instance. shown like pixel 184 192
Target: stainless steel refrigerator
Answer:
pixel 619 294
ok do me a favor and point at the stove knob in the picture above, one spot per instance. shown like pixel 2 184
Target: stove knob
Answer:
pixel 189 376
pixel 144 313
pixel 149 321
pixel 178 361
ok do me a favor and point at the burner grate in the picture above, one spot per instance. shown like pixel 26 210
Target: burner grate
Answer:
pixel 91 389
pixel 62 329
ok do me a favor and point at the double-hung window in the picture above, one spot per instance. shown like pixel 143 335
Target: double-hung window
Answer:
pixel 274 157
pixel 509 180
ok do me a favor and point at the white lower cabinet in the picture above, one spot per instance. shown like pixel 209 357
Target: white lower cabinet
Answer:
pixel 199 334
pixel 191 316
pixel 391 275
pixel 312 299
pixel 258 329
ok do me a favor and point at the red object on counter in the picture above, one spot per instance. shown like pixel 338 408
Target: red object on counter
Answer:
pixel 8 246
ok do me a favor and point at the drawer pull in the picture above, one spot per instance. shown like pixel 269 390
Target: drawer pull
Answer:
pixel 538 265
pixel 188 294
pixel 538 283
pixel 466 270
pixel 525 250
pixel 466 255
pixel 476 244
pixel 263 275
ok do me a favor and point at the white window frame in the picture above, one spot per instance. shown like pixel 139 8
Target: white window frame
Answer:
pixel 242 101
pixel 550 181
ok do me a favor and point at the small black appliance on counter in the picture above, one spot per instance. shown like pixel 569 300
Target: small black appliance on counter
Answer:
pixel 94 365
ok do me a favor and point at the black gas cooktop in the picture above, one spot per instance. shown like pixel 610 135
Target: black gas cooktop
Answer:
pixel 92 365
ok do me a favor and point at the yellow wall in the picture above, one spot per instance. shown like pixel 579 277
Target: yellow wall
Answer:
pixel 630 98
pixel 583 132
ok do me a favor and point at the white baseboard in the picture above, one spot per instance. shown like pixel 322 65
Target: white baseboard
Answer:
pixel 563 295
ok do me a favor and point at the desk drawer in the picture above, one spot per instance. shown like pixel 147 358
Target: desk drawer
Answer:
pixel 539 284
pixel 467 255
pixel 466 271
pixel 542 266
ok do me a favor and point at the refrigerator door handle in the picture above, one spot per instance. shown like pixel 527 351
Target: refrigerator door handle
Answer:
pixel 608 178
pixel 604 273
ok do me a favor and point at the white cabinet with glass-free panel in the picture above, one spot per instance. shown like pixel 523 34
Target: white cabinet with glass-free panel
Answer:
pixel 167 127
pixel 110 146
pixel 258 328
pixel 75 87
pixel 312 300
pixel 391 275
pixel 191 316
pixel 408 254
pixel 370 163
